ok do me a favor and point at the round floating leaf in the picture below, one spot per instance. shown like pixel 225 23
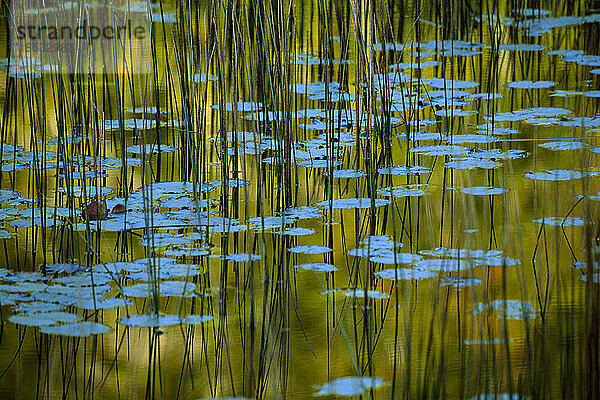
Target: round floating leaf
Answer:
pixel 310 249
pixel 349 386
pixel 352 203
pixel 530 84
pixel 319 267
pixel 559 175
pixel 41 319
pixel 82 329
pixel 157 321
pixel 405 274
pixel 560 221
pixel 483 190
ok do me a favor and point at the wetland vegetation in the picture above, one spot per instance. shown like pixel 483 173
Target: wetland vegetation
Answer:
pixel 286 199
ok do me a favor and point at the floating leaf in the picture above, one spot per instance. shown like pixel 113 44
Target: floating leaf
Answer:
pixel 371 294
pixel 453 112
pixel 521 47
pixel 559 175
pixel 297 231
pixel 441 150
pixel 471 138
pixel 347 173
pixel 241 106
pixel 530 84
pixel 489 341
pixel 402 190
pixel 507 309
pixel 320 267
pixel 460 281
pixel 81 329
pixel 238 257
pixel 444 264
pixel 483 190
pixel 499 396
pixel 151 149
pixel 389 256
pixel 449 83
pixel 166 288
pixel 90 191
pixel 470 163
pixel 352 203
pixel 44 318
pixel 405 274
pixel 564 145
pixel 560 221
pixel 497 261
pixel 95 211
pixel 404 170
pixel 310 249
pixel 157 321
pixel 349 386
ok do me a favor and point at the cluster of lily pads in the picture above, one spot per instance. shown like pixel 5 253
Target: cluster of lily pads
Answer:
pixel 61 299
pixel 50 298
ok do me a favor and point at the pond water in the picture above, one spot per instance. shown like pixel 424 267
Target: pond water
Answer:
pixel 308 198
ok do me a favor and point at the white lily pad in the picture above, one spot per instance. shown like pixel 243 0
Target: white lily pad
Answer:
pixel 449 83
pixel 151 149
pixel 460 281
pixel 238 257
pixel 159 320
pixel 471 163
pixel 166 288
pixel 484 190
pixel 441 150
pixel 297 231
pixel 453 112
pixel 352 203
pixel 521 47
pixel 499 396
pixel 405 274
pixel 560 221
pixel 242 106
pixel 530 84
pixel 319 267
pixel 404 170
pixel 310 249
pixel 44 318
pixel 371 294
pixel 347 173
pixel 444 264
pixel 349 386
pixel 558 175
pixel 471 138
pixel 507 309
pixel 403 190
pixel 564 145
pixel 81 329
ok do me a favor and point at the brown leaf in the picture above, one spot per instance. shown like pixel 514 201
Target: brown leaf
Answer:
pixel 119 209
pixel 95 211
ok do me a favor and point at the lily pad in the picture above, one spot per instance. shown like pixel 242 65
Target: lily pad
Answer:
pixel 349 386
pixel 319 267
pixel 352 203
pixel 310 249
pixel 484 190
pixel 81 329
pixel 405 274
pixel 530 84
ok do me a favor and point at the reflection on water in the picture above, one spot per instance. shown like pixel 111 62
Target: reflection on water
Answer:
pixel 308 199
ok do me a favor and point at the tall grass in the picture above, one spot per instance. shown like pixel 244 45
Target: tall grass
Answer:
pixel 274 335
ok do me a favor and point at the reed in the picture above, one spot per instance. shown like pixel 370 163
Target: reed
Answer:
pixel 260 142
